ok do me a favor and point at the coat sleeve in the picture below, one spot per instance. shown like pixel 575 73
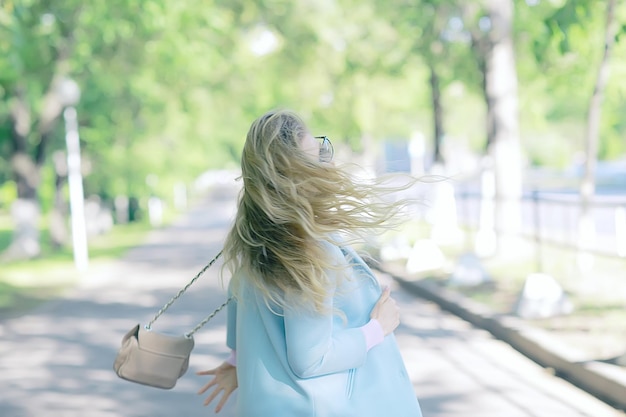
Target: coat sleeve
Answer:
pixel 231 322
pixel 317 344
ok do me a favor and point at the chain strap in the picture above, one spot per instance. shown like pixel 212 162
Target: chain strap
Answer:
pixel 181 292
pixel 209 317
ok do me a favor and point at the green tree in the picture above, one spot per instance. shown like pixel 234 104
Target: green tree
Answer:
pixel 43 43
pixel 587 185
pixel 490 23
pixel 36 46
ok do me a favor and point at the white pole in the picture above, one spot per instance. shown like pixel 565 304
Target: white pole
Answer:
pixel 486 241
pixel 75 181
pixel 620 230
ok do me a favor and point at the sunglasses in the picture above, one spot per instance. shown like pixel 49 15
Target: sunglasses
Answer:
pixel 326 149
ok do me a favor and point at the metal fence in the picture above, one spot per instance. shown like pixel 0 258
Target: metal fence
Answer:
pixel 552 219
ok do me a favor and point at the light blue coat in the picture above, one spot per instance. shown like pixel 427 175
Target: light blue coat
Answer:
pixel 302 364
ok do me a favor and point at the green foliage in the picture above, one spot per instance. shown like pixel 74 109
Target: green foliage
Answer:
pixel 559 46
pixel 169 88
pixel 26 284
pixel 8 194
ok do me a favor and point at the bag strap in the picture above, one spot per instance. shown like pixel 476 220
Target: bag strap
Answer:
pixel 181 292
pixel 208 318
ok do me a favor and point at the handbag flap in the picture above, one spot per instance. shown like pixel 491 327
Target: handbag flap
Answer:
pixel 178 346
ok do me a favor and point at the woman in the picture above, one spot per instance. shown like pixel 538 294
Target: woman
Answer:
pixel 310 329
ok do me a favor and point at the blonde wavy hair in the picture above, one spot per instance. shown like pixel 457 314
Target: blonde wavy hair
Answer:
pixel 288 204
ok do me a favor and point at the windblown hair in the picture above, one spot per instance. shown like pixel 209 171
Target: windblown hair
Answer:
pixel 288 204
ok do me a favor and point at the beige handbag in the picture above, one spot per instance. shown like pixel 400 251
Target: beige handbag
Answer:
pixel 157 359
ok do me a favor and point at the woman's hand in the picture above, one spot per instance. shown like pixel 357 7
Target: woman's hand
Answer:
pixel 386 312
pixel 225 381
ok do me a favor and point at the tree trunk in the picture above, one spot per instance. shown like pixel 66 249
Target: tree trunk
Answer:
pixel 25 210
pixel 435 94
pixel 587 187
pixel 503 142
pixel 59 233
pixel 26 166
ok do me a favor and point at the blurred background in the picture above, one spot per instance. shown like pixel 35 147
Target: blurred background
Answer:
pixel 115 115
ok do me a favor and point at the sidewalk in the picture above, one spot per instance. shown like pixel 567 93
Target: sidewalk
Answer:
pixel 603 380
pixel 56 361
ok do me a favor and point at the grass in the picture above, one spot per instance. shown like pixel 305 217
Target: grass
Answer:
pixel 14 300
pixel 596 290
pixel 26 284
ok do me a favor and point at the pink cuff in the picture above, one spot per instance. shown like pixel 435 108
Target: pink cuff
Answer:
pixel 373 333
pixel 232 359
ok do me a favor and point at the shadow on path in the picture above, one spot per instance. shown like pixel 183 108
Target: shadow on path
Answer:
pixel 57 360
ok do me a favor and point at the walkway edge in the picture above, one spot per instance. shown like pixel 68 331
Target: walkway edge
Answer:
pixel 605 381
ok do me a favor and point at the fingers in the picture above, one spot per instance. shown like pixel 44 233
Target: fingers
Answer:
pixel 212 396
pixel 379 307
pixel 207 372
pixel 223 400
pixel 384 296
pixel 207 386
pixel 386 311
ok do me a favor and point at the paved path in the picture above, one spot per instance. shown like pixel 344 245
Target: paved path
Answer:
pixel 56 361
